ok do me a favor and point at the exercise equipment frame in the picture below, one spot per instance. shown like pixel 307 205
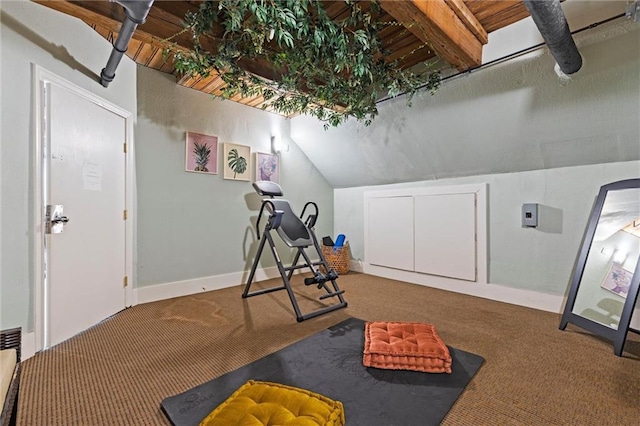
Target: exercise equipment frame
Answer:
pixel 280 217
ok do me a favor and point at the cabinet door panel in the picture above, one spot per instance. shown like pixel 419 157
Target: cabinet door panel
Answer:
pixel 390 232
pixel 445 235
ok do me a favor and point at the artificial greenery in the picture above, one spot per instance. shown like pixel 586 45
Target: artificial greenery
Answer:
pixel 331 69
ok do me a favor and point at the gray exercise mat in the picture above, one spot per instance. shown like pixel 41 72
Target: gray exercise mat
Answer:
pixel 330 363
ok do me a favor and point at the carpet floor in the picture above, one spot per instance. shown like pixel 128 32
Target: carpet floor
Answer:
pixel 118 372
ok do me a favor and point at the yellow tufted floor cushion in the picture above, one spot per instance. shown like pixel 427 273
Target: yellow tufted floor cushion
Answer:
pixel 264 403
pixel 405 346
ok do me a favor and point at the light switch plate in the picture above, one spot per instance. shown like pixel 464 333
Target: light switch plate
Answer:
pixel 530 215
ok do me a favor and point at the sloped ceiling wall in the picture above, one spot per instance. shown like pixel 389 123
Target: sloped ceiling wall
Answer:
pixel 511 117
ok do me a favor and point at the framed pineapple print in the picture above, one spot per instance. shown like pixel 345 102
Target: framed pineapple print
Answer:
pixel 202 153
pixel 236 162
pixel 267 167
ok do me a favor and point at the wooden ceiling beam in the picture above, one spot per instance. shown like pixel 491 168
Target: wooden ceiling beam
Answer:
pixel 435 23
pixel 469 19
pixel 496 14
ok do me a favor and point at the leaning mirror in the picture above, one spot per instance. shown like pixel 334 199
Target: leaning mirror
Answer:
pixel 605 281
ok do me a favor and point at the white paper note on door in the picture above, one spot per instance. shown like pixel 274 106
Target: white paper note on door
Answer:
pixel 92 176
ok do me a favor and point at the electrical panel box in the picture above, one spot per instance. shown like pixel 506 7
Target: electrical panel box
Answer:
pixel 529 215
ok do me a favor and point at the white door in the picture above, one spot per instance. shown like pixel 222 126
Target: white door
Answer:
pixel 85 265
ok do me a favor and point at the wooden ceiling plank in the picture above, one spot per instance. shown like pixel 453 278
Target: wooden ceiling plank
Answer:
pixel 335 8
pixel 149 55
pixel 135 49
pixel 167 67
pixel 158 62
pixel 496 14
pixel 408 54
pixel 184 80
pixel 418 57
pixel 433 22
pixel 214 84
pixel 390 32
pixel 399 50
pixel 469 19
pixel 402 54
pixel 204 82
pixel 259 106
pixel 255 101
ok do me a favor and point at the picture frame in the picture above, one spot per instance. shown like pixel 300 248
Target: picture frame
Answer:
pixel 236 160
pixel 201 153
pixel 267 167
pixel 617 280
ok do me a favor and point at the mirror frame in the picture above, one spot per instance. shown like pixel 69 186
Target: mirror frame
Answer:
pixel 619 336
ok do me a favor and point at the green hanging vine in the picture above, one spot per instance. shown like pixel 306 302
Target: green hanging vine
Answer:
pixel 330 69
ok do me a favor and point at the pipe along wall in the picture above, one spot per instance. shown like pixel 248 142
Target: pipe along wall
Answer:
pixel 552 24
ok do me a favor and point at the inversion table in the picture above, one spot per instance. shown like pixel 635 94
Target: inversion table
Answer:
pixel 297 234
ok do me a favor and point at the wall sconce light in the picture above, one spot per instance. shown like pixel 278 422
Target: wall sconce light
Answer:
pixel 619 256
pixel 276 144
pixel 607 251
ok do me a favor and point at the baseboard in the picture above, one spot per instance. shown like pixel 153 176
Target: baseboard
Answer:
pixel 515 296
pixel 28 348
pixel 170 290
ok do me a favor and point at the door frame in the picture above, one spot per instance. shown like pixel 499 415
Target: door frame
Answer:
pixel 41 77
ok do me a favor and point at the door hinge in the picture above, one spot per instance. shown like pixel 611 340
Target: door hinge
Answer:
pixel 125 214
pixel 125 281
pixel 124 145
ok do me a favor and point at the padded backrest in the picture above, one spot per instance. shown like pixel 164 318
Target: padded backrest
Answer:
pixel 292 230
pixel 268 188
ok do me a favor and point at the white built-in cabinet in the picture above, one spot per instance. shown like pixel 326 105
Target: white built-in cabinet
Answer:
pixel 438 231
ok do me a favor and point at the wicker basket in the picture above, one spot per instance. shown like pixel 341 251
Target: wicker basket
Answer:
pixel 338 258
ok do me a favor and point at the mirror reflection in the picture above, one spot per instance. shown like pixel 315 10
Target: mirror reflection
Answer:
pixel 612 259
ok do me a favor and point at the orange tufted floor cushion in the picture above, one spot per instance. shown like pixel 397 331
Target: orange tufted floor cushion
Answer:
pixel 405 346
pixel 265 403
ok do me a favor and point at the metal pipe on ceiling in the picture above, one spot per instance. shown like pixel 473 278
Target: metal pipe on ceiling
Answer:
pixel 508 57
pixel 552 24
pixel 136 12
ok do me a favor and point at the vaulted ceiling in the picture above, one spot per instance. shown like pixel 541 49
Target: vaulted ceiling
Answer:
pixel 416 31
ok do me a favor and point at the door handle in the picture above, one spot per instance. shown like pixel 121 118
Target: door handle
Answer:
pixel 60 219
pixel 54 219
